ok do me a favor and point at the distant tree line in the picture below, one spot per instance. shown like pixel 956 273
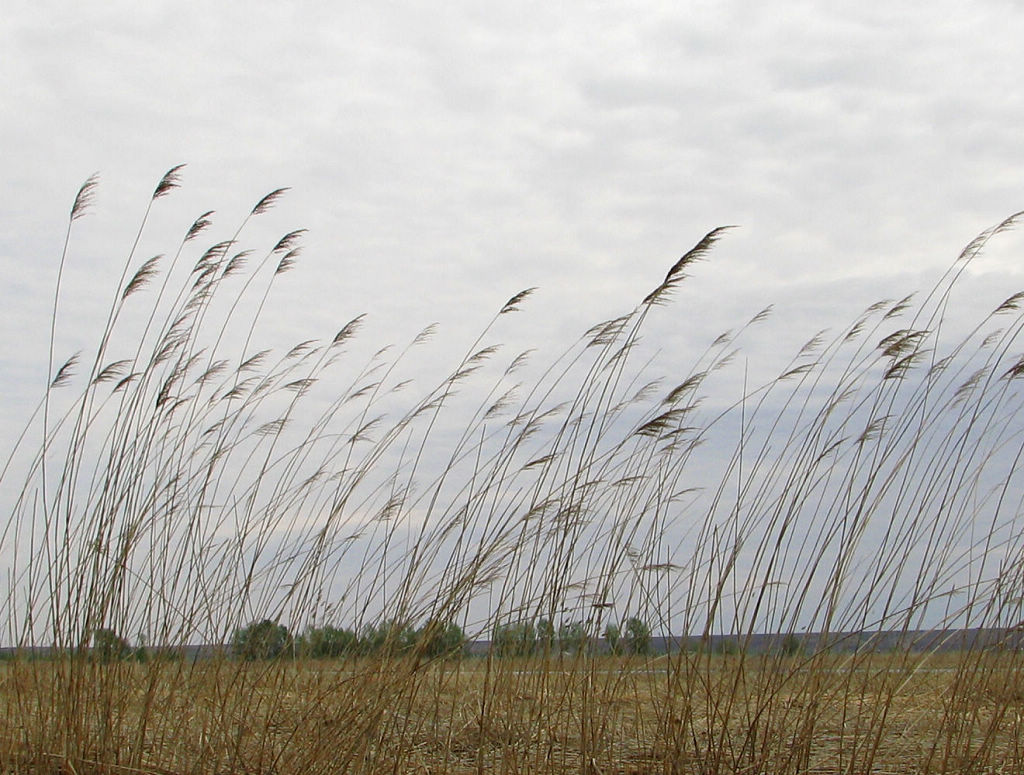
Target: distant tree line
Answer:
pixel 108 646
pixel 267 639
pixel 529 638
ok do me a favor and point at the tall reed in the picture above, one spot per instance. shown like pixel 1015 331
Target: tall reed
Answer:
pixel 833 556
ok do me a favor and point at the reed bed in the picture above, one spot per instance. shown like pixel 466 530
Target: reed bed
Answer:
pixel 832 555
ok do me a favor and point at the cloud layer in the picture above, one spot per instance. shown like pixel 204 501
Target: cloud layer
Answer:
pixel 444 158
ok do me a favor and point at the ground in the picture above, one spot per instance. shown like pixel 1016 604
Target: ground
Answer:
pixel 689 713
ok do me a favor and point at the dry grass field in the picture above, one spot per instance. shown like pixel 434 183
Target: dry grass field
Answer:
pixel 895 713
pixel 181 484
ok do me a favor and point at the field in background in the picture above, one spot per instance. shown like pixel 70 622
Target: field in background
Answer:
pixel 690 713
pixel 183 484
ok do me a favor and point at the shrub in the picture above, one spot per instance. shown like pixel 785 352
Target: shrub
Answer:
pixel 791 645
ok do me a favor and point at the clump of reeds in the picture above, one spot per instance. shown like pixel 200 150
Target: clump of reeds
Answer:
pixel 832 558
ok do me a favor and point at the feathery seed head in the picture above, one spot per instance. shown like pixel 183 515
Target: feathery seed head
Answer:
pixel 512 305
pixel 349 330
pixel 65 372
pixel 268 201
pixel 287 242
pixel 84 197
pixel 198 226
pixel 170 181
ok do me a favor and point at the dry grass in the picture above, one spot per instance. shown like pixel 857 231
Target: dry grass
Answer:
pixel 833 714
pixel 180 481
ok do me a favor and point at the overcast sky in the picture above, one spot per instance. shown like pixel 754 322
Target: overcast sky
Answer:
pixel 445 155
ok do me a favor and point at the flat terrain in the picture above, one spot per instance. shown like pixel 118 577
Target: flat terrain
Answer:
pixel 890 713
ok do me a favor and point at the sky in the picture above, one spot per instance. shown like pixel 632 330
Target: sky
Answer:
pixel 445 156
pixel 442 159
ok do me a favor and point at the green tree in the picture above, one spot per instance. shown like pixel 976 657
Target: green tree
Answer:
pixel 265 639
pixel 108 646
pixel 638 636
pixel 515 639
pixel 387 637
pixel 440 639
pixel 613 637
pixel 546 636
pixel 572 637
pixel 329 642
